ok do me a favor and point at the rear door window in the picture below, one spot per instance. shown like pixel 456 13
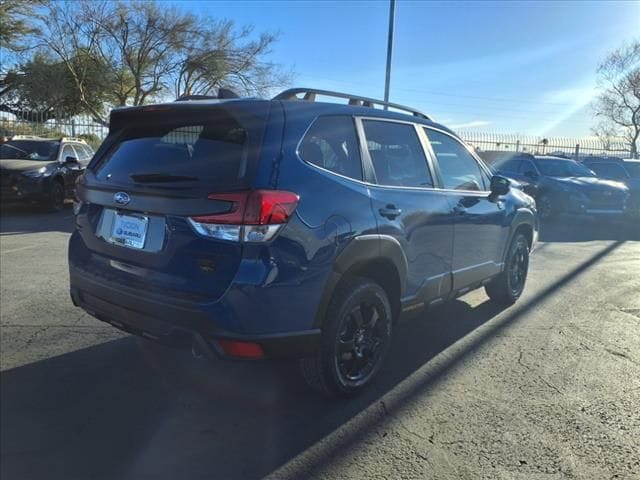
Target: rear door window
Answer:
pixel 331 143
pixel 212 151
pixel 396 154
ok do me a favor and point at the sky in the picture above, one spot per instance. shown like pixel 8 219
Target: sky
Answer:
pixel 510 67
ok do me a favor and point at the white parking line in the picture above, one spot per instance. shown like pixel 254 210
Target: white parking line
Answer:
pixel 19 249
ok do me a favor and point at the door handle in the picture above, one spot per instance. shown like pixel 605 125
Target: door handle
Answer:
pixel 390 212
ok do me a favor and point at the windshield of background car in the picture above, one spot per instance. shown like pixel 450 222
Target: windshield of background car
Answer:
pixel 563 168
pixel 609 170
pixel 209 152
pixel 29 150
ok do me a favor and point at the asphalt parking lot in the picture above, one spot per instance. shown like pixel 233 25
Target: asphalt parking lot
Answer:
pixel 549 388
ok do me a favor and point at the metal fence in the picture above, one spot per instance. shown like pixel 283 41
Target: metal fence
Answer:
pixel 94 133
pixel 575 147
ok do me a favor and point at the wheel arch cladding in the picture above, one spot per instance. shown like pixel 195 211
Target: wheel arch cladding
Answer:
pixel 523 223
pixel 377 257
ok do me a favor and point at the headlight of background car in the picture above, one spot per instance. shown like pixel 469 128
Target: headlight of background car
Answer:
pixel 40 172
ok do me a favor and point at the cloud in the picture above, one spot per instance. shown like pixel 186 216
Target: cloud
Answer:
pixel 472 124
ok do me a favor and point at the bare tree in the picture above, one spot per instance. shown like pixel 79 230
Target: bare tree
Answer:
pixel 606 132
pixel 146 51
pixel 618 105
pixel 225 57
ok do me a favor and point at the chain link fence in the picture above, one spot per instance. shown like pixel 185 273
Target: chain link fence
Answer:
pixel 577 147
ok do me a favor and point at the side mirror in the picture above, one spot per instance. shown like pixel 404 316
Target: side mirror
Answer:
pixel 500 185
pixel 68 160
pixel 531 174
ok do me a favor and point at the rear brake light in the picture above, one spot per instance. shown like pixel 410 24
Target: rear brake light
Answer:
pixel 241 349
pixel 253 216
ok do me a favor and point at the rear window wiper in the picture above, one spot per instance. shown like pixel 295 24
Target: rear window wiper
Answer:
pixel 160 178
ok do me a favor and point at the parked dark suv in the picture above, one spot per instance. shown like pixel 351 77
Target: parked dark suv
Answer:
pixel 562 186
pixel 41 170
pixel 617 169
pixel 289 228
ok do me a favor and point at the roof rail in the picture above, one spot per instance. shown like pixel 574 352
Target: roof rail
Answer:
pixel 356 100
pixel 72 139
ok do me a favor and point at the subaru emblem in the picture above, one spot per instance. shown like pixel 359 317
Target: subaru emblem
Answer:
pixel 121 198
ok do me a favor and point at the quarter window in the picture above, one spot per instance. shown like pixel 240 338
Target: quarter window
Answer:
pixel 396 154
pixel 459 170
pixel 331 143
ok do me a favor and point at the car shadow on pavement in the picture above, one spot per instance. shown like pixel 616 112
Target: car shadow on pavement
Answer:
pixel 132 409
pixel 19 219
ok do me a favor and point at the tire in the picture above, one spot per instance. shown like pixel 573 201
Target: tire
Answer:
pixel 507 287
pixel 545 208
pixel 55 201
pixel 355 340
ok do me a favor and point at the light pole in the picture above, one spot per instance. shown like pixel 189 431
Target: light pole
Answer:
pixel 392 14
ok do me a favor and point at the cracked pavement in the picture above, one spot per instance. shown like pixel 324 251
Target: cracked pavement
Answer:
pixel 548 388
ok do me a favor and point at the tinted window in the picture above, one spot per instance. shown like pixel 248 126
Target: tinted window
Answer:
pixel 633 168
pixel 397 154
pixel 609 170
pixel 510 165
pixel 29 150
pixel 458 168
pixel 208 151
pixel 551 167
pixel 331 143
pixel 527 166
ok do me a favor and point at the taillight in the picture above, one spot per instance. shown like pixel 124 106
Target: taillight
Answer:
pixel 253 216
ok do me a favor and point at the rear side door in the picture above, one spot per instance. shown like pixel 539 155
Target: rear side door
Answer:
pixel 407 206
pixel 480 229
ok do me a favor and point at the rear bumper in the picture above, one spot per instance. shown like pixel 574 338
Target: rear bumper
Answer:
pixel 176 323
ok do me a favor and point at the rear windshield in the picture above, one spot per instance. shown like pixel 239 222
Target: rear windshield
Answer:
pixel 212 151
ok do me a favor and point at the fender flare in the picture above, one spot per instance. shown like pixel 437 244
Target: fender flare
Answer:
pixel 522 216
pixel 360 250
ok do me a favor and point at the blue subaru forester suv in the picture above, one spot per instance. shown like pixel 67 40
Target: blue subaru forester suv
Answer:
pixel 250 228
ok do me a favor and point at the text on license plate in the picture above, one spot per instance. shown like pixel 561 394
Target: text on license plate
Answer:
pixel 129 231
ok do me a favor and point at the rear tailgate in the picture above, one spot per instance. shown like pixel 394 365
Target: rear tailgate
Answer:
pixel 154 171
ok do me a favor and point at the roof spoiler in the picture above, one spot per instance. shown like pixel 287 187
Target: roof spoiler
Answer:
pixel 223 93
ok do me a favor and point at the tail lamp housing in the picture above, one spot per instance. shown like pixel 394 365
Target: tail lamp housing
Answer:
pixel 254 216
